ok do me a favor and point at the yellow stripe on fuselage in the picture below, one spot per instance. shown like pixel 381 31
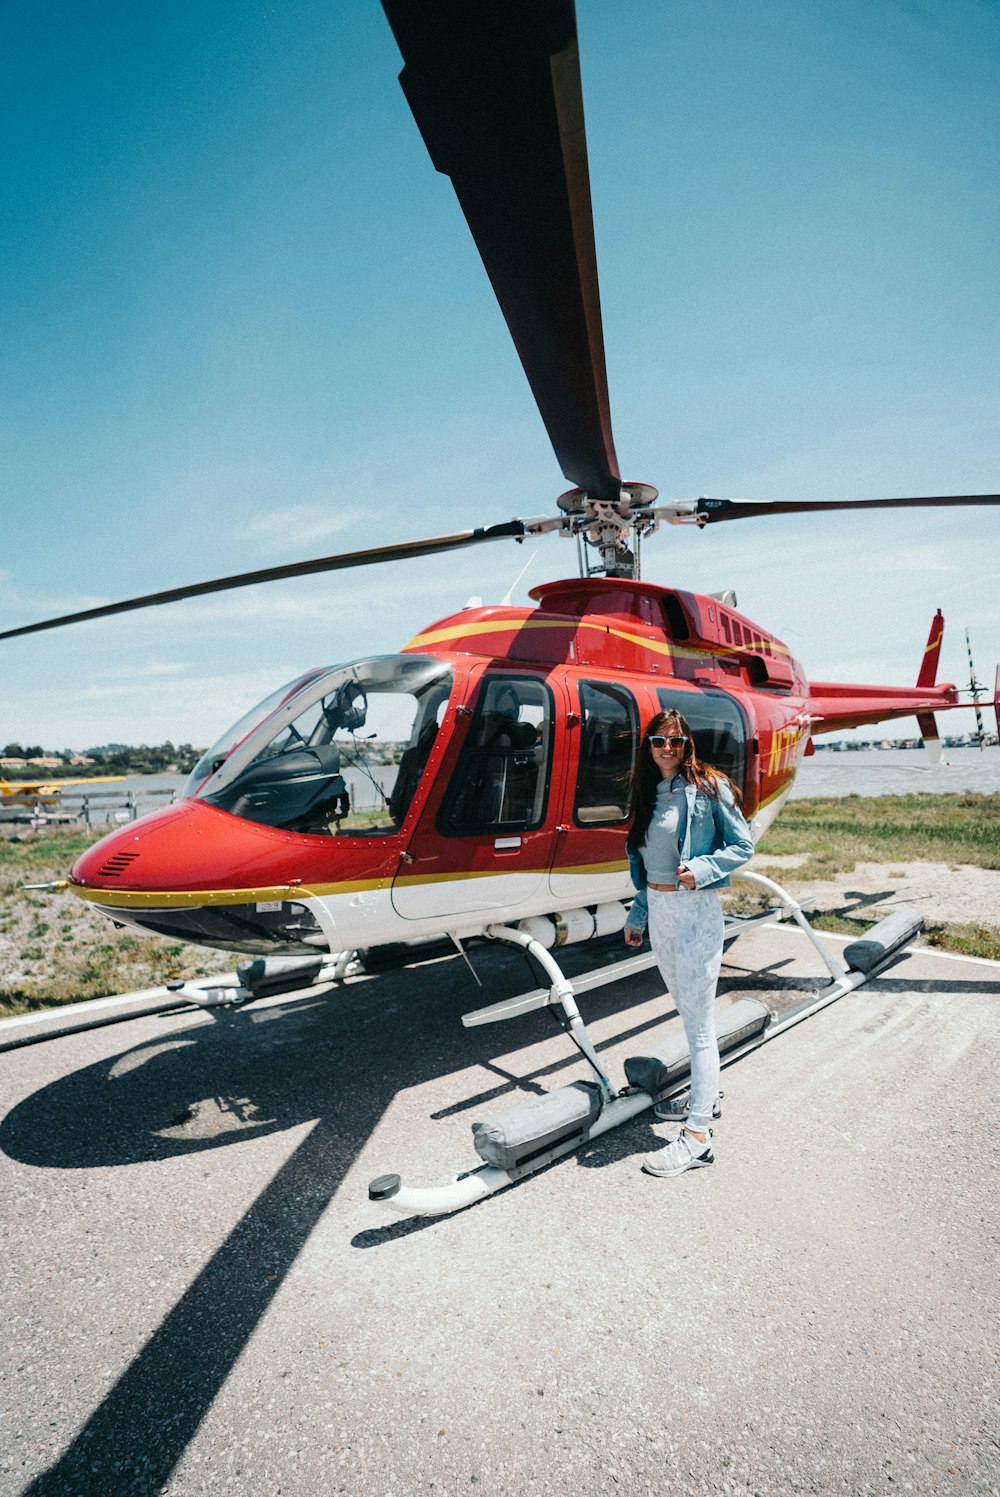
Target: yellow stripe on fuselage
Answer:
pixel 657 647
pixel 172 899
pixel 175 899
pixel 784 789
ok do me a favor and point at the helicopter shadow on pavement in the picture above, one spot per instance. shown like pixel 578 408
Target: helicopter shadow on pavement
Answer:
pixel 208 1083
pixel 217 1078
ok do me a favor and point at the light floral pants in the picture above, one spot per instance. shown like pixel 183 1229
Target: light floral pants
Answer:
pixel 685 931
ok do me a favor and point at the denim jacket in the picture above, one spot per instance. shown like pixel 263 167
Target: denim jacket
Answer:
pixel 714 841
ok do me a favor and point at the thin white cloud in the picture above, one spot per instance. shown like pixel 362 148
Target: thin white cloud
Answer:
pixel 302 525
pixel 916 559
pixel 195 709
pixel 176 693
pixel 156 668
pixel 45 604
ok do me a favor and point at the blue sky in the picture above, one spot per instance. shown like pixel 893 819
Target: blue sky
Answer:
pixel 244 322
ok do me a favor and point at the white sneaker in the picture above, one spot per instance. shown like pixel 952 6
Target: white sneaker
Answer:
pixel 684 1153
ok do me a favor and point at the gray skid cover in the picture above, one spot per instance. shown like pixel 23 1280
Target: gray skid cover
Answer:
pixel 873 947
pixel 511 1136
pixel 664 1064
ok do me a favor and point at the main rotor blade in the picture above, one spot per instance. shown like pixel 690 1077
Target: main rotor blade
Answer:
pixel 403 551
pixel 495 90
pixel 712 511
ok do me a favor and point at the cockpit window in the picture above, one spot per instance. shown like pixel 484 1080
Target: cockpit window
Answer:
pixel 344 754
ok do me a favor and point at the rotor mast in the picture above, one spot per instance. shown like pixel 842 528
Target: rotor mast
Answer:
pixel 608 532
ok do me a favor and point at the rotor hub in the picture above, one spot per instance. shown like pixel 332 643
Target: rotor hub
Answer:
pixel 609 531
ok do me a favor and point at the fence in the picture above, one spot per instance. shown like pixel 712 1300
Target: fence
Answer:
pixel 115 805
pixel 110 806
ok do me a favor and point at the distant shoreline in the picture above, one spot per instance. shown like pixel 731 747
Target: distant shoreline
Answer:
pixel 850 745
pixel 859 770
pixel 41 769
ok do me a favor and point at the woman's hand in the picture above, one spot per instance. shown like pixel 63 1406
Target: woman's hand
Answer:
pixel 632 937
pixel 685 877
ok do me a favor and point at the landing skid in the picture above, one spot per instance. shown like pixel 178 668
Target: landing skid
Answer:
pixel 529 1136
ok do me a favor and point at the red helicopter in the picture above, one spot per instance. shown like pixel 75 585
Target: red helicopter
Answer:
pixel 518 726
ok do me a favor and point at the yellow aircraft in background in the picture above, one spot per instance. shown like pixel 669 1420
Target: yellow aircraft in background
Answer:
pixel 44 792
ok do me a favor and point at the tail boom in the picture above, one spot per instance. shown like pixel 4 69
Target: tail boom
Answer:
pixel 835 705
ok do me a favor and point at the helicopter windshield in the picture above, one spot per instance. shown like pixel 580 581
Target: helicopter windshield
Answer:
pixel 213 758
pixel 343 753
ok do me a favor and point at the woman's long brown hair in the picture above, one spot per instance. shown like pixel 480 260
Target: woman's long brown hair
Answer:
pixel 646 776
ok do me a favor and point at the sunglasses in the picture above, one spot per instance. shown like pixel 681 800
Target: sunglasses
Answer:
pixel 657 740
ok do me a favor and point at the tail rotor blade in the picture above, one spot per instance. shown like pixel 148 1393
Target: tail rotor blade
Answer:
pixel 976 688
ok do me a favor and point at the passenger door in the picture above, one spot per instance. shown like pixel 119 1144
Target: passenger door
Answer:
pixel 486 836
pixel 590 863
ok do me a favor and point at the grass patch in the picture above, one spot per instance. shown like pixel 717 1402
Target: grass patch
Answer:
pixel 836 834
pixel 104 969
pixel 840 925
pixel 56 950
pixel 970 940
pixel 42 852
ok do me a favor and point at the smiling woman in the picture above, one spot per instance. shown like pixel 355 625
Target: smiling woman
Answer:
pixel 687 836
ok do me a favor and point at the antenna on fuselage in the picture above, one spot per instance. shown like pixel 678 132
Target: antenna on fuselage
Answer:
pixel 505 601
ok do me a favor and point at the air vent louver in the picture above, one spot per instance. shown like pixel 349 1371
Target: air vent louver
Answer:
pixel 117 865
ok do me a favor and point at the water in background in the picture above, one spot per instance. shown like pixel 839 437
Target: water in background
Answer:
pixel 898 772
pixel 146 792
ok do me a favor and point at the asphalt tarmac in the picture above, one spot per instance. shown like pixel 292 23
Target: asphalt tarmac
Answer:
pixel 198 1296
